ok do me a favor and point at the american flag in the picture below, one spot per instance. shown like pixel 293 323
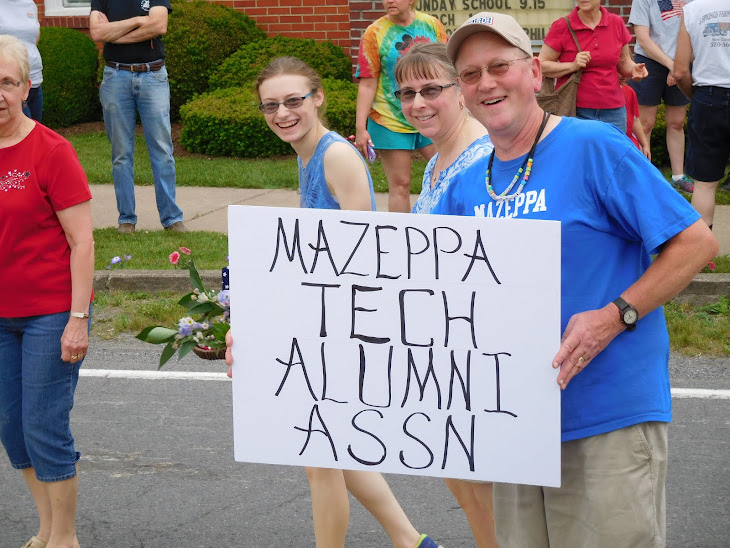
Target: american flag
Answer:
pixel 671 8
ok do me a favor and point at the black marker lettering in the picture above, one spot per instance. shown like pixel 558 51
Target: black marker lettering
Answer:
pixel 421 385
pixel 402 305
pixel 353 335
pixel 409 250
pixel 309 430
pixel 295 245
pixel 479 246
pixel 291 363
pixel 357 245
pixel 402 455
pixel 322 321
pixel 376 438
pixel 362 377
pixel 469 452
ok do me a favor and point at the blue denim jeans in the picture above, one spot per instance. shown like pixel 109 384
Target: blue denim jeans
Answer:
pixel 613 116
pixel 36 396
pixel 33 107
pixel 123 94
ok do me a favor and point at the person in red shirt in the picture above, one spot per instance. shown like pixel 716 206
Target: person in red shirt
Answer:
pixel 47 266
pixel 603 40
pixel 634 129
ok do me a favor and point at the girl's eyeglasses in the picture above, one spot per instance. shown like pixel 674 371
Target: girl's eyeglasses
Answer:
pixel 429 93
pixel 495 69
pixel 290 103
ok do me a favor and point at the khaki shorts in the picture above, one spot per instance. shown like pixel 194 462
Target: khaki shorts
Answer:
pixel 612 496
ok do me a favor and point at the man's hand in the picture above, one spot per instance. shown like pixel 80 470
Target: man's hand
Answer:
pixel 586 335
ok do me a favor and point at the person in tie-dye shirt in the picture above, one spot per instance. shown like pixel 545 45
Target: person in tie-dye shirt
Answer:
pixel 380 121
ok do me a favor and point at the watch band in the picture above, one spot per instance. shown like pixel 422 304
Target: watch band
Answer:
pixel 78 314
pixel 624 307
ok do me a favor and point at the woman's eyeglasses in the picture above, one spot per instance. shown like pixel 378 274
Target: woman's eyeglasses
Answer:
pixel 9 85
pixel 429 93
pixel 290 103
pixel 495 69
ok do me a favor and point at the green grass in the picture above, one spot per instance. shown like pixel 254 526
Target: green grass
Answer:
pixel 150 250
pixel 700 330
pixel 94 153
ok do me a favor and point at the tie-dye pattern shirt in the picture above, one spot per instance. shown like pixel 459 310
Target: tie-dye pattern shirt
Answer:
pixel 382 44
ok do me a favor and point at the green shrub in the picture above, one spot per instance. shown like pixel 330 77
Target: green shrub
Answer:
pixel 200 35
pixel 227 122
pixel 70 68
pixel 659 153
pixel 244 66
pixel 341 101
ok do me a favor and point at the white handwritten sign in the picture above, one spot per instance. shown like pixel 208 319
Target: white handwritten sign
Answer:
pixel 413 344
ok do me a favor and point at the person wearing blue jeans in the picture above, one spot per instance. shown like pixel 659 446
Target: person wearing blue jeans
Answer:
pixel 135 82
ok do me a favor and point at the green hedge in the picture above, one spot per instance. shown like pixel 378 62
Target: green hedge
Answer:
pixel 658 143
pixel 200 36
pixel 70 68
pixel 227 122
pixel 244 66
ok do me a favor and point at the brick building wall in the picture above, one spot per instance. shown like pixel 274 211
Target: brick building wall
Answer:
pixel 341 21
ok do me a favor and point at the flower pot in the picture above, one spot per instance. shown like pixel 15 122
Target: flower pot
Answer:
pixel 208 353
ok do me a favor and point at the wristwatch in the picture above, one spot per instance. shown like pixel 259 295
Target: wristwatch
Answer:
pixel 627 313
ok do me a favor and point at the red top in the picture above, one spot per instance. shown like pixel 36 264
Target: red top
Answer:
pixel 38 176
pixel 632 112
pixel 599 87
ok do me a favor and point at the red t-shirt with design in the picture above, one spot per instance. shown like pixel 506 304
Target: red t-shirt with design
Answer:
pixel 38 177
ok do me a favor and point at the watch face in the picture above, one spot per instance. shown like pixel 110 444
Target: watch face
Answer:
pixel 630 316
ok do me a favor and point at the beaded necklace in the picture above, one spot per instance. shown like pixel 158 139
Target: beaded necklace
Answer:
pixel 526 167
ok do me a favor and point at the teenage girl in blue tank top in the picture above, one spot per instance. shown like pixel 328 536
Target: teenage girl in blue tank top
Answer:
pixel 332 175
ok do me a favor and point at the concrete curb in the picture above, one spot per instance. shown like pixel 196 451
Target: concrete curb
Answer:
pixel 702 290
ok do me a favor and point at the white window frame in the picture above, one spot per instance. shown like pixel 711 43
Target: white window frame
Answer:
pixel 55 8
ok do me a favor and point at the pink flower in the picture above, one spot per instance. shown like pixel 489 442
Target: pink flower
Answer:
pixel 185 250
pixel 711 266
pixel 174 257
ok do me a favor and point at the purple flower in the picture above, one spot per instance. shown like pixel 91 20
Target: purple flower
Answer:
pixel 127 257
pixel 185 330
pixel 116 260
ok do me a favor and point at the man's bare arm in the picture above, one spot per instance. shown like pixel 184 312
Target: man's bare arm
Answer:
pixel 103 30
pixel 152 26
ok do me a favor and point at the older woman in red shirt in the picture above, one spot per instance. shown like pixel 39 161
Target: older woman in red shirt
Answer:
pixel 603 40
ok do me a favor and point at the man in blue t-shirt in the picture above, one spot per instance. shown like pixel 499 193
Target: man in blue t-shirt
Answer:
pixel 616 211
pixel 135 81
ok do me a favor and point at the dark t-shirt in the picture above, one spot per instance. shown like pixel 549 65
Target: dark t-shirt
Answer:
pixel 118 10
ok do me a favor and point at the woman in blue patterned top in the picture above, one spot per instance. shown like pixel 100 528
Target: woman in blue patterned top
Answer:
pixel 432 103
pixel 332 175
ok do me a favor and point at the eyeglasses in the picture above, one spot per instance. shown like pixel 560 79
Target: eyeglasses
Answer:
pixel 429 93
pixel 290 103
pixel 9 85
pixel 495 68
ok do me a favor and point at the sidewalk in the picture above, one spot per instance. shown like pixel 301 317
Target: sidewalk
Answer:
pixel 206 208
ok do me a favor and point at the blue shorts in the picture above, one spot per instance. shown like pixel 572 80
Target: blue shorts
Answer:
pixel 708 129
pixel 653 89
pixel 614 116
pixel 384 139
pixel 36 396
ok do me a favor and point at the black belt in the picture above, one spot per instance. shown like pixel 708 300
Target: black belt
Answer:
pixel 137 67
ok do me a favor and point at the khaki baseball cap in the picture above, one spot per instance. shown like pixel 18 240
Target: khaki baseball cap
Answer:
pixel 504 25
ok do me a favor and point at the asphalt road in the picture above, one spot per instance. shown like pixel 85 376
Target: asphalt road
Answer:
pixel 158 471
